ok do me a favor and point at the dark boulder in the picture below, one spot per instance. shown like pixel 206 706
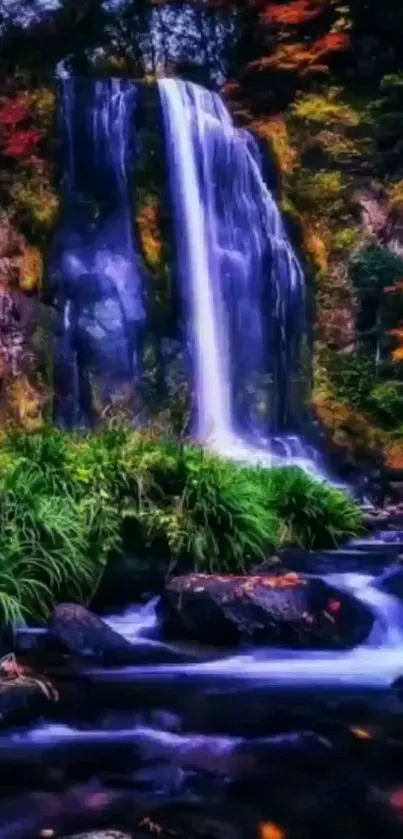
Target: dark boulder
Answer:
pixel 128 579
pixel 24 694
pixel 286 610
pixel 227 756
pixel 391 582
pixel 87 636
pixel 365 557
pixel 386 516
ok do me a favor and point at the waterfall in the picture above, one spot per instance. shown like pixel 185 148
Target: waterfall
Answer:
pixel 193 195
pixel 93 261
pixel 242 285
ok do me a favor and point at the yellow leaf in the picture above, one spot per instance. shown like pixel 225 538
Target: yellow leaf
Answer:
pixel 361 733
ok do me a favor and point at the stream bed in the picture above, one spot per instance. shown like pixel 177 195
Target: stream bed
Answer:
pixel 253 744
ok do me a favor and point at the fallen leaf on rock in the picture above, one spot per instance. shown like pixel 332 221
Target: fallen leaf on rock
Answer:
pixel 292 577
pixel 9 667
pixel 283 581
pixel 361 733
pixel 14 674
pixel 270 830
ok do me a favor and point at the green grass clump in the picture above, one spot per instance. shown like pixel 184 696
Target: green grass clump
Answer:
pixel 228 523
pixel 314 514
pixel 54 535
pixel 67 501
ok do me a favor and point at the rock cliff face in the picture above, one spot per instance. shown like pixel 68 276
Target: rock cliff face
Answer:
pixel 24 322
pixel 29 200
pixel 344 204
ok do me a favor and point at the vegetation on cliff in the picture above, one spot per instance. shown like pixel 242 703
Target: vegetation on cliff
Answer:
pixel 322 82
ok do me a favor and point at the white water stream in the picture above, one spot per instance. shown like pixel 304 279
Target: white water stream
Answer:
pixel 377 662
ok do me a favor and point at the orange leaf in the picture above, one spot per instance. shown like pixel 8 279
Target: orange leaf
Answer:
pixel 291 14
pixel 270 830
pixel 361 733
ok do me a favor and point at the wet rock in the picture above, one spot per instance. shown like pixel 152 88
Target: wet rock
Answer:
pixel 24 695
pixel 87 636
pixel 37 644
pixel 391 583
pixel 397 687
pixel 80 808
pixel 349 559
pixel 385 516
pixel 228 757
pixel 209 820
pixel 128 579
pixel 20 704
pixel 285 610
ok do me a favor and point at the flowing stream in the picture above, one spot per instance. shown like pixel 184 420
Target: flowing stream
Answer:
pixel 378 661
pixel 166 727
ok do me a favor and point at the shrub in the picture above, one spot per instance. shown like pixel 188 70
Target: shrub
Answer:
pixel 195 507
pixel 372 270
pixel 352 376
pixel 325 187
pixel 314 514
pixel 386 403
pixel 225 506
pixel 44 544
pixel 325 108
pixel 67 501
pixel 54 537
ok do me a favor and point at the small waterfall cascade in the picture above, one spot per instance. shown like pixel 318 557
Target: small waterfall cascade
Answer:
pixel 93 261
pixel 378 661
pixel 242 285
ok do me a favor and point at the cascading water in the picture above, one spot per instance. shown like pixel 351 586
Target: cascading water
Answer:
pixel 181 734
pixel 243 288
pixel 377 662
pixel 93 260
pixel 241 281
pixel 195 243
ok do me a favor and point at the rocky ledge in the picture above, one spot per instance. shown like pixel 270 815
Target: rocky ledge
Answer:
pixel 280 609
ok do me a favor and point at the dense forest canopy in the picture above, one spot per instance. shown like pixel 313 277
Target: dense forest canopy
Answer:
pixel 320 82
